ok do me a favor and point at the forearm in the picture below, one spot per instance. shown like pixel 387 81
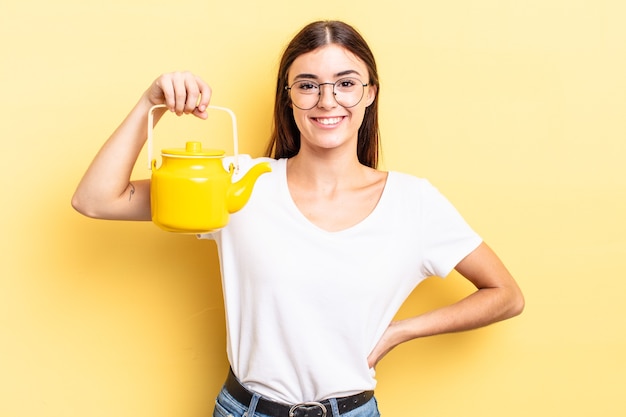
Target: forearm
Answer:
pixel 481 308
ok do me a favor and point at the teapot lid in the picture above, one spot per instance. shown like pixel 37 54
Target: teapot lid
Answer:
pixel 193 149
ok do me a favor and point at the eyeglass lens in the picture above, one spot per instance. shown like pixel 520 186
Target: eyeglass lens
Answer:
pixel 305 94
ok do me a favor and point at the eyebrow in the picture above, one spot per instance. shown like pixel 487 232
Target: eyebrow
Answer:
pixel 315 77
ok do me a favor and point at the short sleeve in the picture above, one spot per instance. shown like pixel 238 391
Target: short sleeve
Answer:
pixel 448 237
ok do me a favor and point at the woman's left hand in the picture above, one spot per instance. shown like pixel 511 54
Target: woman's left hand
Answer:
pixel 385 345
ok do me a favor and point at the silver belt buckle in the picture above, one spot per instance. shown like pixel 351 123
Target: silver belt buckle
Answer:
pixel 292 410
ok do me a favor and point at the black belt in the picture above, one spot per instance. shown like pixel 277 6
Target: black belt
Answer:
pixel 308 409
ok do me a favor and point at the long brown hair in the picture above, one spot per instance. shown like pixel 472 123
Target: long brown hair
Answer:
pixel 285 139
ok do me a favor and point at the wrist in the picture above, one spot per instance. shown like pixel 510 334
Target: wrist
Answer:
pixel 405 330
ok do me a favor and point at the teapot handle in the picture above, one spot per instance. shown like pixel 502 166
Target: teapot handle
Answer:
pixel 229 111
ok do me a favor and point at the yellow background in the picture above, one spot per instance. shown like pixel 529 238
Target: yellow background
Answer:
pixel 516 110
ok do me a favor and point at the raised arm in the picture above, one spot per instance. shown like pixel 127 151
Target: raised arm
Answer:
pixel 106 191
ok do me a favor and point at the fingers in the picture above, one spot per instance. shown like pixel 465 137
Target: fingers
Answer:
pixel 184 93
pixel 205 97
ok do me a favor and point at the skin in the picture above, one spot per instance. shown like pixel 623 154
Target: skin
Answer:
pixel 324 178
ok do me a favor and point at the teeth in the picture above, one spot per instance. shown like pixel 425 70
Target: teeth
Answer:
pixel 330 121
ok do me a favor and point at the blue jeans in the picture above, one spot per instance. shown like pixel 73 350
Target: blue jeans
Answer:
pixel 227 406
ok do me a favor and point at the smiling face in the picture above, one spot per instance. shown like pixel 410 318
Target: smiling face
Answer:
pixel 328 125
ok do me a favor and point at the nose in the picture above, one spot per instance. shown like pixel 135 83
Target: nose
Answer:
pixel 327 96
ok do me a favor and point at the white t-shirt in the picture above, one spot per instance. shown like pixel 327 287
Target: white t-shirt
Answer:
pixel 305 306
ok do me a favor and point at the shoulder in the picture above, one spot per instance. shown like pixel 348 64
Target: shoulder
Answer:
pixel 415 193
pixel 401 182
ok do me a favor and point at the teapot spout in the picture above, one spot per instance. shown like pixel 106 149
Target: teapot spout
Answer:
pixel 240 191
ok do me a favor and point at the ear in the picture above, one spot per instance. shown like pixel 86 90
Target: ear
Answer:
pixel 371 95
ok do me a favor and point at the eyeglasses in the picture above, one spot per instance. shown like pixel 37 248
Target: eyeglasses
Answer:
pixel 305 94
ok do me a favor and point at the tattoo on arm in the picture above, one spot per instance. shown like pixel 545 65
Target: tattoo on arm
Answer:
pixel 132 191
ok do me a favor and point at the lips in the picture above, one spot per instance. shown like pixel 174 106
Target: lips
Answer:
pixel 328 121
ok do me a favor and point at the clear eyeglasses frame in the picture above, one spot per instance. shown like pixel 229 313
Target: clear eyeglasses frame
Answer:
pixel 305 94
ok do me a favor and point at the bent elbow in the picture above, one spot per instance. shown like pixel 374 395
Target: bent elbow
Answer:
pixel 81 205
pixel 77 205
pixel 517 304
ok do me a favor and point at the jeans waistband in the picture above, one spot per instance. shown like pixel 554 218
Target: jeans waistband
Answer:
pixel 307 409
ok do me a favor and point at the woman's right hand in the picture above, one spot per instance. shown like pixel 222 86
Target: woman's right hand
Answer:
pixel 182 93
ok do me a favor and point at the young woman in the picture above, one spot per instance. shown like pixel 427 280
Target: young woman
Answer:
pixel 319 261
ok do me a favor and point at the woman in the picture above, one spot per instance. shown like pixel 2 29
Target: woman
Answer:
pixel 317 264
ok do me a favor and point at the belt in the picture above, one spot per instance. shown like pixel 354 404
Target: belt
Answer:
pixel 307 409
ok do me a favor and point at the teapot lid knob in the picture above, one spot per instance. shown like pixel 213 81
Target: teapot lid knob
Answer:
pixel 193 147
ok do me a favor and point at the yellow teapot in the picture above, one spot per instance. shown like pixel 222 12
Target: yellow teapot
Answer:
pixel 191 192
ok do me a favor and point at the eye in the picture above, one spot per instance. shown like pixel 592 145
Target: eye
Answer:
pixel 307 87
pixel 346 84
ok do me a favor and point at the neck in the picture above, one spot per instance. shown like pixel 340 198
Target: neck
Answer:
pixel 321 171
